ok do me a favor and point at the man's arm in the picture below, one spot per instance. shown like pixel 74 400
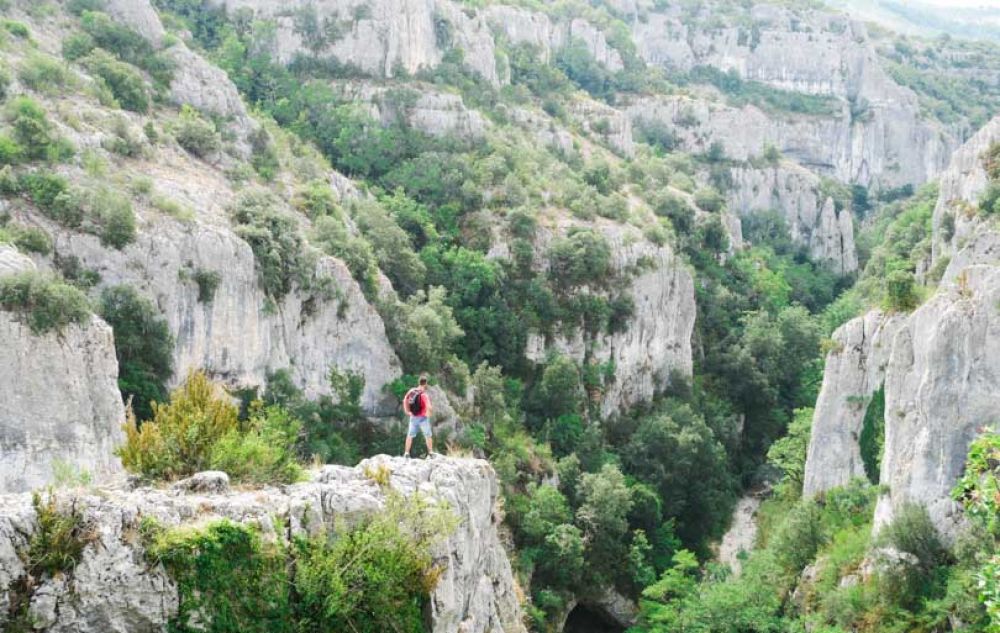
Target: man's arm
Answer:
pixel 427 405
pixel 406 403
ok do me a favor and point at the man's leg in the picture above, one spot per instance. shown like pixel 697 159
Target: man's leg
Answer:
pixel 425 428
pixel 410 432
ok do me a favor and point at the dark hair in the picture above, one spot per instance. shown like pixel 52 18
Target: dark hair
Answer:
pixel 423 380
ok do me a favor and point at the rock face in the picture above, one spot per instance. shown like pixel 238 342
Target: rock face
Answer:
pixel 940 392
pixel 240 335
pixel 940 369
pixel 537 30
pixel 959 190
pixel 428 110
pixel 855 369
pixel 812 221
pixel 739 539
pixel 879 138
pixel 61 409
pixel 113 589
pixel 656 345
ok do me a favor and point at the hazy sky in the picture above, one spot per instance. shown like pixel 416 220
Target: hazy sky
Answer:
pixel 963 3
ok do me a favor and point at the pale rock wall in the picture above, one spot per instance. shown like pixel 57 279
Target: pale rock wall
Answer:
pixel 657 342
pixel 114 590
pixel 61 408
pixel 940 391
pixel 855 369
pixel 605 123
pixel 890 148
pixel 237 337
pixel 812 221
pixel 429 110
pixel 940 376
pixel 523 26
pixel 960 186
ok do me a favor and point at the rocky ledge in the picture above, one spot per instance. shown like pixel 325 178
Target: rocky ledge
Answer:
pixel 113 589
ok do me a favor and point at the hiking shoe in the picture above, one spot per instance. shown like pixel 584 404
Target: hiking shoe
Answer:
pixel 432 455
pixel 406 456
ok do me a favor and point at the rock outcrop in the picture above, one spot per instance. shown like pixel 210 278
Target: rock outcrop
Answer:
pixel 855 370
pixel 813 220
pixel 241 334
pixel 546 37
pixel 113 588
pixel 656 345
pixel 878 137
pixel 940 369
pixel 61 412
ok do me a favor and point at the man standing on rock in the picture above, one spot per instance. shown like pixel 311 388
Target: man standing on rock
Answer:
pixel 417 405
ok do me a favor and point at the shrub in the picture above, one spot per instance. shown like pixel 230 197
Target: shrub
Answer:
pixel 378 576
pixel 10 151
pixel 4 82
pixel 581 258
pixel 143 345
pixel 125 83
pixel 225 574
pixel 111 215
pixel 901 291
pixel 126 44
pixel 208 281
pixel 30 239
pixel 708 199
pixel 45 303
pixel 195 134
pixel 77 46
pixel 15 28
pixel 274 237
pixel 429 331
pixel 33 132
pixel 262 451
pixel 179 439
pixel 43 73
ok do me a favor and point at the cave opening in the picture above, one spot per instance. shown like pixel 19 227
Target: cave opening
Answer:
pixel 584 620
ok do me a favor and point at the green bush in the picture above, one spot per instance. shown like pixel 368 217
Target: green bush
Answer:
pixel 4 82
pixel 227 575
pixel 10 151
pixel 901 291
pixel 709 199
pixel 78 46
pixel 274 237
pixel 45 303
pixel 143 345
pixel 428 331
pixel 29 239
pixel 195 134
pixel 33 132
pixel 182 434
pixel 583 257
pixel 43 73
pixel 125 83
pixel 262 450
pixel 15 28
pixel 127 45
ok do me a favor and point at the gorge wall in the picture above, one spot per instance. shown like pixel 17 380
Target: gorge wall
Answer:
pixel 938 365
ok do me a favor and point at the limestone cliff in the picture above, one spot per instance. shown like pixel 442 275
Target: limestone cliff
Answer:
pixel 60 410
pixel 939 369
pixel 113 588
pixel 656 344
pixel 855 369
pixel 813 220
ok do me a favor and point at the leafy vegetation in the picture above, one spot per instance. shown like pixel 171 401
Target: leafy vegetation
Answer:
pixel 143 345
pixel 373 577
pixel 44 303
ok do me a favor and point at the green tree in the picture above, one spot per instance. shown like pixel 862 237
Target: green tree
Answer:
pixel 143 345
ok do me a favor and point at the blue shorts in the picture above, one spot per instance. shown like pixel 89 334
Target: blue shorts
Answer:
pixel 419 422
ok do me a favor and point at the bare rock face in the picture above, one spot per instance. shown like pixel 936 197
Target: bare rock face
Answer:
pixel 940 372
pixel 114 589
pixel 61 409
pixel 522 26
pixel 812 221
pixel 855 369
pixel 956 225
pixel 606 123
pixel 656 344
pixel 240 335
pixel 891 148
pixel 429 110
pixel 385 36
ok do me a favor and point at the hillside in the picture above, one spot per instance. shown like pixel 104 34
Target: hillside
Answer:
pixel 633 243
